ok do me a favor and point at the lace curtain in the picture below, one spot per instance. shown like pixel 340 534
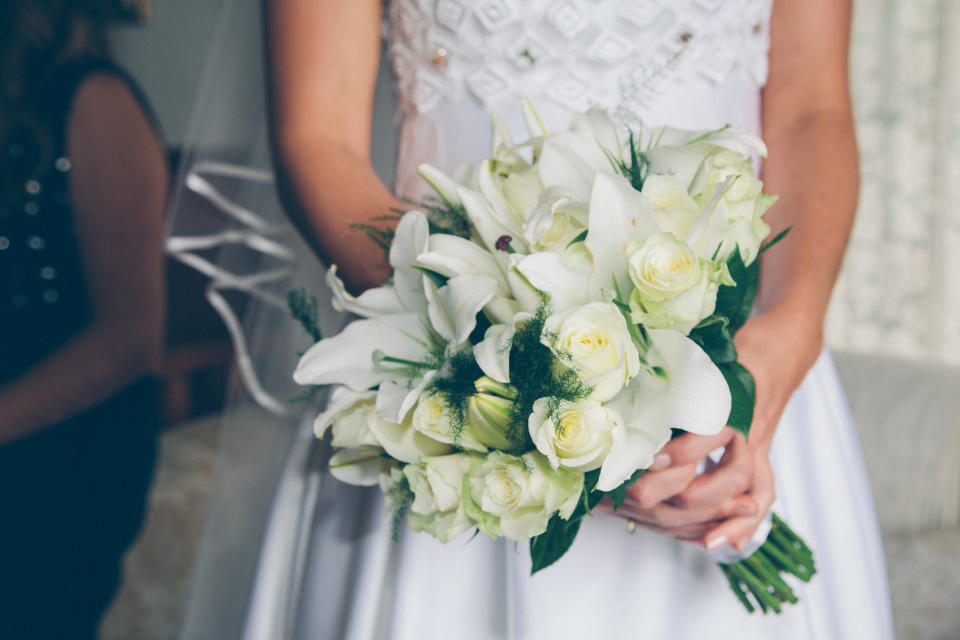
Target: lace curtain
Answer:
pixel 899 291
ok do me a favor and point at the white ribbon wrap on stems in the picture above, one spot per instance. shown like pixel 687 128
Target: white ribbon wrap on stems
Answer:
pixel 729 555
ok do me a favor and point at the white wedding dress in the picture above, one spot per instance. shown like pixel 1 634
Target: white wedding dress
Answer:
pixel 329 568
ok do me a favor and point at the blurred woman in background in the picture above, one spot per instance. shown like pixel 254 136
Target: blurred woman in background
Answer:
pixel 83 185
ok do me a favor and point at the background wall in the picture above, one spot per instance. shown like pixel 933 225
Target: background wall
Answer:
pixel 166 57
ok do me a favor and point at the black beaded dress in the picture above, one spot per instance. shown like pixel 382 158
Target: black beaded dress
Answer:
pixel 72 496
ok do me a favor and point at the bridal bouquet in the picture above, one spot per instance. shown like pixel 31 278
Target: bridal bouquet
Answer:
pixel 555 315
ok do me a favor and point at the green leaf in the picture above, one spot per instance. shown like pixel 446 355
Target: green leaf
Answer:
pixel 618 495
pixel 777 238
pixel 717 341
pixel 437 279
pixel 549 546
pixel 579 238
pixel 736 302
pixel 742 394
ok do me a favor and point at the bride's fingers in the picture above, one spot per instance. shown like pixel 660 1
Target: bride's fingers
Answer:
pixel 665 515
pixel 691 448
pixel 731 477
pixel 655 486
pixel 738 531
pixel 734 531
pixel 690 532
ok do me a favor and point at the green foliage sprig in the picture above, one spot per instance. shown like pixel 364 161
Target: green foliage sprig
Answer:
pixel 638 167
pixel 536 374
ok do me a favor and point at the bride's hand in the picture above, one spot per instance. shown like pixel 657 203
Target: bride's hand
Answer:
pixel 725 504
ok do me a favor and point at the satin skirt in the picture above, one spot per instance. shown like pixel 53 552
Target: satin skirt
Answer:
pixel 355 580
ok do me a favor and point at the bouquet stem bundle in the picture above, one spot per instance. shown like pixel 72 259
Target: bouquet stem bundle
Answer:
pixel 760 575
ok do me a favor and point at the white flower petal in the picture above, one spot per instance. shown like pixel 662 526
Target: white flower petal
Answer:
pixel 409 241
pixel 570 160
pixel 405 443
pixel 453 256
pixel 619 215
pixel 397 396
pixel 597 124
pixel 341 399
pixel 453 308
pixel 493 352
pixel 533 121
pixel 362 466
pixel 371 303
pixel 699 398
pixel 445 186
pixel 632 449
pixel 347 358
pixel 567 287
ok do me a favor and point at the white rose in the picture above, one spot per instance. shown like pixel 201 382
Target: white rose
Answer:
pixel 575 435
pixel 745 203
pixel 674 208
pixel 674 289
pixel 663 267
pixel 350 426
pixel 516 497
pixel 594 340
pixel 436 484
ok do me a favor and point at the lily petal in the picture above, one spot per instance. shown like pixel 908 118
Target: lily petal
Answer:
pixel 619 215
pixel 493 352
pixel 369 304
pixel 699 398
pixel 397 396
pixel 452 256
pixel 566 286
pixel 632 449
pixel 453 308
pixel 361 466
pixel 347 358
pixel 409 241
pixel 571 160
pixel 445 186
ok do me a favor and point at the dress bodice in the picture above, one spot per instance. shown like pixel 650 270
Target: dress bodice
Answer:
pixel 689 63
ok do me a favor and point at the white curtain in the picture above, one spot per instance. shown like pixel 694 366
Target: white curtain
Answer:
pixel 899 291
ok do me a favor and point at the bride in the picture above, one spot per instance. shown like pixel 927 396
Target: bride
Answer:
pixel 777 69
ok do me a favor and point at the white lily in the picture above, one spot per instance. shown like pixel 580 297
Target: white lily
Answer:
pixel 619 216
pixel 681 389
pixel 400 352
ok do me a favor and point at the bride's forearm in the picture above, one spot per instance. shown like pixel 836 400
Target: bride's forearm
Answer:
pixel 813 167
pixel 328 190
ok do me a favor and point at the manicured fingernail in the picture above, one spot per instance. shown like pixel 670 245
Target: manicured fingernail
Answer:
pixel 716 543
pixel 660 461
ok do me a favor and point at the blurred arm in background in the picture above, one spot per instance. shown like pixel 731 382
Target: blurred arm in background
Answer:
pixel 118 188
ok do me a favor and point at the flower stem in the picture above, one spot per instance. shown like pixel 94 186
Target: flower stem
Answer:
pixel 762 574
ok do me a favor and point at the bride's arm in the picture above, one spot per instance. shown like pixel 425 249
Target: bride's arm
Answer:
pixel 812 165
pixel 323 57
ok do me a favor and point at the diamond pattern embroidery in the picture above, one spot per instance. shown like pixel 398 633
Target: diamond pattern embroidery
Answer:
pixel 567 19
pixel 451 15
pixel 619 54
pixel 494 14
pixel 609 47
